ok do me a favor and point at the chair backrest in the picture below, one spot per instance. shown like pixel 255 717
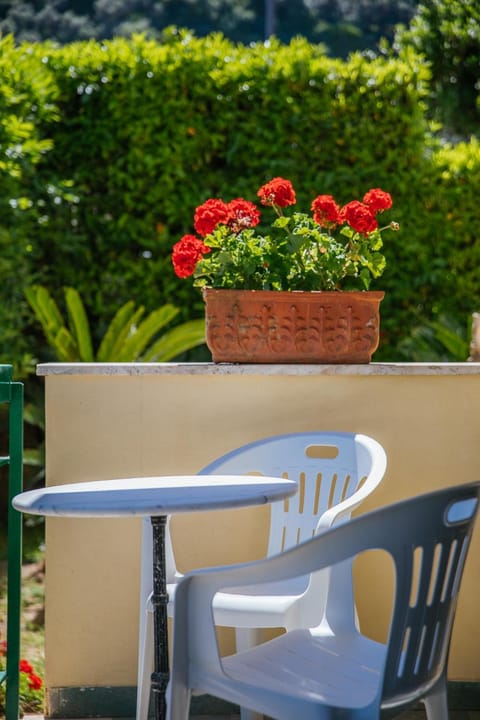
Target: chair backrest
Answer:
pixel 329 466
pixel 11 456
pixel 429 551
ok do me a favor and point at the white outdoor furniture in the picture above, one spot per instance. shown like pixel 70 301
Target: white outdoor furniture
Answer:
pixel 311 675
pixel 335 471
pixel 155 497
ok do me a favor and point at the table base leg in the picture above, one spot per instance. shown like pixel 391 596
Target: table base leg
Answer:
pixel 161 673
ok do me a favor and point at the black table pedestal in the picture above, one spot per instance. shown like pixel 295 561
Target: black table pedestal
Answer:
pixel 161 673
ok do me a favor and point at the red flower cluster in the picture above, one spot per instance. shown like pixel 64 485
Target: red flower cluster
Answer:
pixel 243 214
pixel 186 254
pixel 377 200
pixel 325 211
pixel 277 192
pixel 209 215
pixel 34 681
pixel 359 215
pixel 237 214
pixel 25 667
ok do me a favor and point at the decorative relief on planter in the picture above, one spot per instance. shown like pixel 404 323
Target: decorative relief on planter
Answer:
pixel 261 326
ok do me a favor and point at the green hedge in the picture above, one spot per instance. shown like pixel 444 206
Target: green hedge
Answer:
pixel 27 97
pixel 434 268
pixel 138 133
pixel 447 34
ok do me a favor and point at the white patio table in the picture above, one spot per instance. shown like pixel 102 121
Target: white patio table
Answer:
pixel 156 497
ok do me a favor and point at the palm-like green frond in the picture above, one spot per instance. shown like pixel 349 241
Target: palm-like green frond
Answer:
pixel 176 341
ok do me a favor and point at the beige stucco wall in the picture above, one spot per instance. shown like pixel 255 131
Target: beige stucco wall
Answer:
pixel 139 420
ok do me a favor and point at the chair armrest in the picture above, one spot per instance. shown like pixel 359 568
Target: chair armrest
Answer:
pixel 335 514
pixel 329 548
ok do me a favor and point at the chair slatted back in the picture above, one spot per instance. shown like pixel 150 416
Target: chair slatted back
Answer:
pixel 329 466
pixel 428 576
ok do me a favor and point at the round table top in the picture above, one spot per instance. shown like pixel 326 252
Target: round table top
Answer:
pixel 154 495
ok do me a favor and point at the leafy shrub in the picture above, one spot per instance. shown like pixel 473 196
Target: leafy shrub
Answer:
pixel 447 33
pixel 27 94
pixel 129 338
pixel 31 691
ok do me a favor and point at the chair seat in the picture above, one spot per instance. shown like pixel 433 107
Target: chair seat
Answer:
pixel 329 671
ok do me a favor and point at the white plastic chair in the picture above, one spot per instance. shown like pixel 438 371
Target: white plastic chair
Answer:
pixel 311 675
pixel 336 472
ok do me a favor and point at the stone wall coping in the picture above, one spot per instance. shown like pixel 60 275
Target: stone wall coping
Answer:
pixel 138 368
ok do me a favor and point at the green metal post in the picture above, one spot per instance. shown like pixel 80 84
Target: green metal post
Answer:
pixel 12 393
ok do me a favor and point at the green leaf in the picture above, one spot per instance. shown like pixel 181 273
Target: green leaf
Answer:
pixel 50 317
pixel 79 324
pixel 34 457
pixel 34 414
pixel 117 331
pixel 281 222
pixel 141 336
pixel 65 346
pixel 452 341
pixel 176 341
pixel 45 309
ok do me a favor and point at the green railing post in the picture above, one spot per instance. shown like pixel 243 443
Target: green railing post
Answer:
pixel 12 393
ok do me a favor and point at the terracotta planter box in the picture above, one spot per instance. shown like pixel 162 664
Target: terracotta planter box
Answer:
pixel 263 326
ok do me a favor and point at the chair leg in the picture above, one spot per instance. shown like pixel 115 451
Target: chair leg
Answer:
pixel 145 666
pixel 436 703
pixel 180 709
pixel 246 638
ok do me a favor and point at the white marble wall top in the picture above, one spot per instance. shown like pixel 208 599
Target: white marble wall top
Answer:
pixel 465 368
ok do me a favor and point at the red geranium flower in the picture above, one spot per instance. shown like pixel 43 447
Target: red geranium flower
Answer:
pixel 315 251
pixel 34 682
pixel 277 192
pixel 186 254
pixel 3 647
pixel 359 217
pixel 377 200
pixel 25 667
pixel 213 212
pixel 242 214
pixel 325 210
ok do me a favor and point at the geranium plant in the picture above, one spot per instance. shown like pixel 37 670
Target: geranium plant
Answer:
pixel 333 248
pixel 30 684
